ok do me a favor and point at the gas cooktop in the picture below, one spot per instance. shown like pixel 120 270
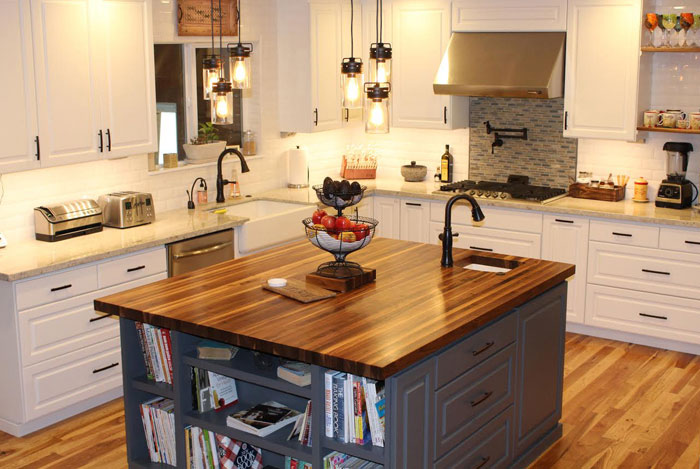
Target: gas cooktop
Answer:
pixel 517 187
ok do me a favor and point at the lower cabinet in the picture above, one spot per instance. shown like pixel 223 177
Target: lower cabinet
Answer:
pixel 415 220
pixel 387 210
pixel 513 243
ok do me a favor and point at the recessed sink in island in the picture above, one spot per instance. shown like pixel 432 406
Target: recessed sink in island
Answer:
pixel 472 362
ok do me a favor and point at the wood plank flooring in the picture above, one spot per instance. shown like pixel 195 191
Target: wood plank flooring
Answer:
pixel 625 406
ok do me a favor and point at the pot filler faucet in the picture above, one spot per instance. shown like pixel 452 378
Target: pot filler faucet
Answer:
pixel 446 236
pixel 220 181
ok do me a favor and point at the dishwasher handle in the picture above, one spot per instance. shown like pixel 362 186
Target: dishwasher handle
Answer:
pixel 199 252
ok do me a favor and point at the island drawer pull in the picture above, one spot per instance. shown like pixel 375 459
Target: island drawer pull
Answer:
pixel 64 287
pixel 478 401
pixel 483 349
pixel 563 221
pixel 134 269
pixel 199 252
pixel 658 272
pixel 99 318
pixel 626 235
pixel 482 462
pixel 104 368
pixel 481 249
pixel 653 316
pixel 696 243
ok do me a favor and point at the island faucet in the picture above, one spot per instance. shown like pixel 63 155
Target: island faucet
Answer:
pixel 220 181
pixel 446 236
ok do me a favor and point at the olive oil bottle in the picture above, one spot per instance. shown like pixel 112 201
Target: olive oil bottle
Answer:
pixel 446 163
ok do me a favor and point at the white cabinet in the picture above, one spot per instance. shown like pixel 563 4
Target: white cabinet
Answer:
pixel 415 220
pixel 18 120
pixel 513 243
pixel 565 239
pixel 508 15
pixel 602 69
pixel 421 31
pixel 387 210
pixel 309 65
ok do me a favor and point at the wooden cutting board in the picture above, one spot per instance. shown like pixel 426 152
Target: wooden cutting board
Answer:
pixel 301 291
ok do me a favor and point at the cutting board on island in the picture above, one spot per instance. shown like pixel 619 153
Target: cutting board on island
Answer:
pixel 301 291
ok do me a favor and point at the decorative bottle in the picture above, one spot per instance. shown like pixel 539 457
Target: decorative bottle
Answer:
pixel 446 163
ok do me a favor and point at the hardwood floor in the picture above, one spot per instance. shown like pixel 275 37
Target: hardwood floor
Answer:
pixel 625 406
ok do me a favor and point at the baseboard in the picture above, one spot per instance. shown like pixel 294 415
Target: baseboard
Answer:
pixel 621 336
pixel 22 429
pixel 538 448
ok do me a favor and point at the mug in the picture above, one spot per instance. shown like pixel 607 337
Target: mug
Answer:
pixel 652 118
pixel 682 124
pixel 694 120
pixel 670 117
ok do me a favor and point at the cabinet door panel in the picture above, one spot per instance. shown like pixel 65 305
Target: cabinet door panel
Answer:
pixel 415 221
pixel 512 243
pixel 18 125
pixel 64 65
pixel 508 15
pixel 387 211
pixel 325 65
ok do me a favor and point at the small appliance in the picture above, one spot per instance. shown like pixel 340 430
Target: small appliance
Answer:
pixel 67 220
pixel 127 209
pixel 676 191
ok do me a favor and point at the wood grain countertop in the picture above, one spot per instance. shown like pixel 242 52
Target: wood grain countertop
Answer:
pixel 414 308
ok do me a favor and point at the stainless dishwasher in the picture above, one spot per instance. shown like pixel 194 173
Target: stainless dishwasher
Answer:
pixel 202 251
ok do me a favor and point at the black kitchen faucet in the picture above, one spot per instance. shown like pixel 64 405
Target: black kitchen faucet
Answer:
pixel 220 181
pixel 446 236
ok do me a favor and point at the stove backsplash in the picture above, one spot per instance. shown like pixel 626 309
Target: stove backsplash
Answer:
pixel 547 157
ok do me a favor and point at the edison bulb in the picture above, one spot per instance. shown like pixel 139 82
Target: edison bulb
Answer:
pixel 382 72
pixel 211 78
pixel 221 106
pixel 376 114
pixel 352 89
pixel 239 72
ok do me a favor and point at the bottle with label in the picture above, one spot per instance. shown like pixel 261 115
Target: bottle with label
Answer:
pixel 234 185
pixel 446 163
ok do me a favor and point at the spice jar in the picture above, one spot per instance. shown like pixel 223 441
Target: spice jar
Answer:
pixel 640 190
pixel 249 143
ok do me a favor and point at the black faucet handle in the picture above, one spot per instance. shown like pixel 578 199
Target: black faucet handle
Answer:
pixel 441 236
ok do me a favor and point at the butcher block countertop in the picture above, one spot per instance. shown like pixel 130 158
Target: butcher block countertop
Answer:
pixel 414 308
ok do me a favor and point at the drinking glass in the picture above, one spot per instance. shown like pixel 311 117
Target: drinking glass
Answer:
pixel 660 36
pixel 669 23
pixel 650 23
pixel 684 37
pixel 694 33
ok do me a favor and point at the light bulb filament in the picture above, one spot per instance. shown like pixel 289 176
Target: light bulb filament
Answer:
pixel 239 71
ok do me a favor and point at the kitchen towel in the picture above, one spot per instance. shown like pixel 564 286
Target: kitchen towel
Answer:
pixel 298 167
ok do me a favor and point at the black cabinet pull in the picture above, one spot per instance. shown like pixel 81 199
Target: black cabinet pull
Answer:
pixel 696 243
pixel 105 367
pixel 559 220
pixel 101 141
pixel 653 316
pixel 478 401
pixel 566 120
pixel 62 287
pixel 109 140
pixel 38 148
pixel 483 462
pixel 626 235
pixel 316 117
pixel 134 269
pixel 99 318
pixel 481 249
pixel 658 272
pixel 483 349
pixel 445 115
pixel 347 115
pixel 413 204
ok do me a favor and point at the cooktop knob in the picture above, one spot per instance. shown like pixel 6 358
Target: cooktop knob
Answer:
pixel 504 195
pixel 472 192
pixel 480 193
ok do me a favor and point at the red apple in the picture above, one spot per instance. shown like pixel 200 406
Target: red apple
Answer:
pixel 329 222
pixel 344 224
pixel 317 216
pixel 361 231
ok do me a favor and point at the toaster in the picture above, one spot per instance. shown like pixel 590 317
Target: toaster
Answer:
pixel 127 209
pixel 67 220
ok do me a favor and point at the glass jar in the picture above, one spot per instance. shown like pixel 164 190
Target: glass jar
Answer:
pixel 249 143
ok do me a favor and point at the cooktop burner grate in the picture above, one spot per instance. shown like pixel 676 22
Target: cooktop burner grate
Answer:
pixel 505 190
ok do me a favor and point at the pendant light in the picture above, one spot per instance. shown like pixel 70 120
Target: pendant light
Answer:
pixel 211 64
pixel 380 52
pixel 239 58
pixel 222 95
pixel 378 88
pixel 351 70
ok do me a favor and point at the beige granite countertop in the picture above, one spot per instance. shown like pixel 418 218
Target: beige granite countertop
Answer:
pixel 30 258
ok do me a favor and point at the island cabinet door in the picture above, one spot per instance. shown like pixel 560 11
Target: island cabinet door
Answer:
pixel 540 367
pixel 412 416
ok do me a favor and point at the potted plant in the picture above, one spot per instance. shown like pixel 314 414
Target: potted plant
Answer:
pixel 206 146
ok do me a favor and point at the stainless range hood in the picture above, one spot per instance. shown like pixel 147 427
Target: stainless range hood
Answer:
pixel 509 65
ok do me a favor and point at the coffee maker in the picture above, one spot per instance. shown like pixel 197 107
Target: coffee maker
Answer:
pixel 676 191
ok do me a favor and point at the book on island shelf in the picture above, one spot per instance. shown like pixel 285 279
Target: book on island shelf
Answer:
pixel 211 350
pixel 295 372
pixel 302 427
pixel 337 460
pixel 263 419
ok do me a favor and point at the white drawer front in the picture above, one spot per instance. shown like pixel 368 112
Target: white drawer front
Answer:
pixel 508 15
pixel 644 313
pixel 485 239
pixel 643 269
pixel 132 267
pixel 504 219
pixel 65 326
pixel 680 240
pixel 54 384
pixel 55 287
pixel 625 233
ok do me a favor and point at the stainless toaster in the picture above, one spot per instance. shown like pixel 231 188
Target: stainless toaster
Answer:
pixel 127 209
pixel 67 220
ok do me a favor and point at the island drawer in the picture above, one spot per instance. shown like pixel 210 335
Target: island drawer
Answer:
pixel 512 220
pixel 680 240
pixel 55 287
pixel 473 399
pixel 646 270
pixel 490 447
pixel 625 233
pixel 475 349
pixel 132 267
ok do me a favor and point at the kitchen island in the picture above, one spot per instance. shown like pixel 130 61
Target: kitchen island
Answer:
pixel 472 361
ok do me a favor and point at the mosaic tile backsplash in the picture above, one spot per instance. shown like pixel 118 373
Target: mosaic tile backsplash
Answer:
pixel 547 157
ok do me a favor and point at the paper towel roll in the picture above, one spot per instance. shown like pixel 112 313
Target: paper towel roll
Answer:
pixel 298 167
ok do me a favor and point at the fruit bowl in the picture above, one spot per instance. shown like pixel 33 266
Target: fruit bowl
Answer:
pixel 339 195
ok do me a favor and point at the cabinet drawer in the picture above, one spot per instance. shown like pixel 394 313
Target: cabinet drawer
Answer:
pixel 644 313
pixel 680 240
pixel 508 15
pixel 490 447
pixel 512 243
pixel 132 267
pixel 646 270
pixel 52 330
pixel 60 382
pixel 625 233
pixel 516 220
pixel 55 287
pixel 475 349
pixel 473 399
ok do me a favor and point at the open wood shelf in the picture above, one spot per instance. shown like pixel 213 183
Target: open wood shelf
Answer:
pixel 142 383
pixel 669 130
pixel 670 49
pixel 367 452
pixel 149 465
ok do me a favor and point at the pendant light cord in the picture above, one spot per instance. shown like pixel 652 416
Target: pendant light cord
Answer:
pixel 381 20
pixel 352 20
pixel 221 42
pixel 238 19
pixel 211 16
pixel 377 21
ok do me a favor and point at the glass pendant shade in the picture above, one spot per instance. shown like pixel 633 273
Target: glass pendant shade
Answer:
pixel 380 63
pixel 377 108
pixel 211 68
pixel 352 82
pixel 240 65
pixel 222 103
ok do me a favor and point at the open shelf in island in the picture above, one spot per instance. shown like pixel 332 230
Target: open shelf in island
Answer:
pixel 149 465
pixel 143 383
pixel 368 452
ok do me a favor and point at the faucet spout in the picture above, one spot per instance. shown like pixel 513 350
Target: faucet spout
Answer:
pixel 220 181
pixel 446 236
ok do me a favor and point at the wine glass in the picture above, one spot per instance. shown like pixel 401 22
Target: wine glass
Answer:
pixel 684 37
pixel 669 21
pixel 650 23
pixel 694 34
pixel 660 38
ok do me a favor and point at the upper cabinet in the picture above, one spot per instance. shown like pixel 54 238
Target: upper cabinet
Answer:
pixel 421 31
pixel 508 15
pixel 602 69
